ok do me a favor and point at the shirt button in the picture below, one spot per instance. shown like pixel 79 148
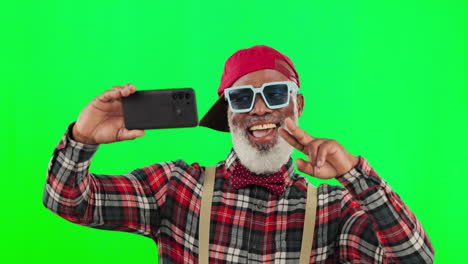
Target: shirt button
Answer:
pixel 259 205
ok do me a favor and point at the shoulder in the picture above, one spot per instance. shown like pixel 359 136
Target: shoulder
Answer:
pixel 340 199
pixel 171 169
pixel 180 170
pixel 330 196
pixel 329 191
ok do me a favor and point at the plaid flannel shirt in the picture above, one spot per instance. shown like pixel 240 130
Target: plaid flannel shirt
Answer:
pixel 364 222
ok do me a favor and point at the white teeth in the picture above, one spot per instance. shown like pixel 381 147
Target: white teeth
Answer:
pixel 264 126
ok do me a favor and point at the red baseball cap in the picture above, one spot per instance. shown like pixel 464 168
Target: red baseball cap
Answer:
pixel 240 63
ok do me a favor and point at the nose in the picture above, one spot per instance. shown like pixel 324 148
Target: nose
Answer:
pixel 260 108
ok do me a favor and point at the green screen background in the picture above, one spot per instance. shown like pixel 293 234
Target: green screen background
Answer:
pixel 386 79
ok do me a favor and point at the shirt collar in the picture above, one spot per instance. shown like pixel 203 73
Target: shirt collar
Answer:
pixel 290 175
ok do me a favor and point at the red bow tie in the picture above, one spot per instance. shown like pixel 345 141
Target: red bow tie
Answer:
pixel 242 177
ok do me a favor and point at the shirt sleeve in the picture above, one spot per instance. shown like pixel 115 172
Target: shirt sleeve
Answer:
pixel 381 227
pixel 130 202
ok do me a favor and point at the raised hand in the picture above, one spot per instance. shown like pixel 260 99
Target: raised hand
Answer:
pixel 327 158
pixel 101 121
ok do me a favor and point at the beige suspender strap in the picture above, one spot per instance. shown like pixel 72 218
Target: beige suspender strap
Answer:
pixel 309 224
pixel 205 216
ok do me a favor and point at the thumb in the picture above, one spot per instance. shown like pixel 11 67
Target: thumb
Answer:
pixel 305 167
pixel 125 134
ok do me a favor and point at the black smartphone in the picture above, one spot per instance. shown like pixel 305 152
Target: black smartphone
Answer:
pixel 166 108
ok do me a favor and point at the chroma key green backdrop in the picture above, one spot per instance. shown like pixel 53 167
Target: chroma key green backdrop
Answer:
pixel 386 79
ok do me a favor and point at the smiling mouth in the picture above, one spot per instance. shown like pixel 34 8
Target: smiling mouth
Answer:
pixel 263 133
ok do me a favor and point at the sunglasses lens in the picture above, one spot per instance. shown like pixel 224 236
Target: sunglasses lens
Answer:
pixel 241 98
pixel 276 94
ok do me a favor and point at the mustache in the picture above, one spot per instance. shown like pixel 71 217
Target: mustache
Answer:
pixel 265 118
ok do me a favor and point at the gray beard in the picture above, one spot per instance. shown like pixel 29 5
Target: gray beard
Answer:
pixel 261 158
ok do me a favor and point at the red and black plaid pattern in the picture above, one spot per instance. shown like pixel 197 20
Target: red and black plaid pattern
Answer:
pixel 364 222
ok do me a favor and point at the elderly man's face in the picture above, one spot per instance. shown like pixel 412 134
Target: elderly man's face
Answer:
pixel 263 138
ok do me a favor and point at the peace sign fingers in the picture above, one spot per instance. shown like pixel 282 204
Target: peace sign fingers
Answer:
pixel 297 137
pixel 303 142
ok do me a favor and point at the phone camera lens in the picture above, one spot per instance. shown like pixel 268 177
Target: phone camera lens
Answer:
pixel 174 96
pixel 187 96
pixel 181 96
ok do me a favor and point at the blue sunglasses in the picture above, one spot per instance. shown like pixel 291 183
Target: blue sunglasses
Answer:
pixel 241 99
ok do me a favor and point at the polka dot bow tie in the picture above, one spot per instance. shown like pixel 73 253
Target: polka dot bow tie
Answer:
pixel 242 177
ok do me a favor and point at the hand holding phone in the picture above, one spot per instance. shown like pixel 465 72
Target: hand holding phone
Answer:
pixel 167 108
pixel 101 121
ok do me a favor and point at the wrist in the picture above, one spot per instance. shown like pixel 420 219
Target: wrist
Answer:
pixel 77 136
pixel 352 162
pixel 355 161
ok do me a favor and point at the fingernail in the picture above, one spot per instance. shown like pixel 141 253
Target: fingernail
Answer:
pixel 291 121
pixel 319 163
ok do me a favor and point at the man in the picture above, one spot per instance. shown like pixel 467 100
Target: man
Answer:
pixel 258 204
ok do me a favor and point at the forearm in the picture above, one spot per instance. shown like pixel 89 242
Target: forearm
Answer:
pixel 130 202
pixel 68 187
pixel 397 229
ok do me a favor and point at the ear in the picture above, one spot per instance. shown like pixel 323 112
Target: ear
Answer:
pixel 300 104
